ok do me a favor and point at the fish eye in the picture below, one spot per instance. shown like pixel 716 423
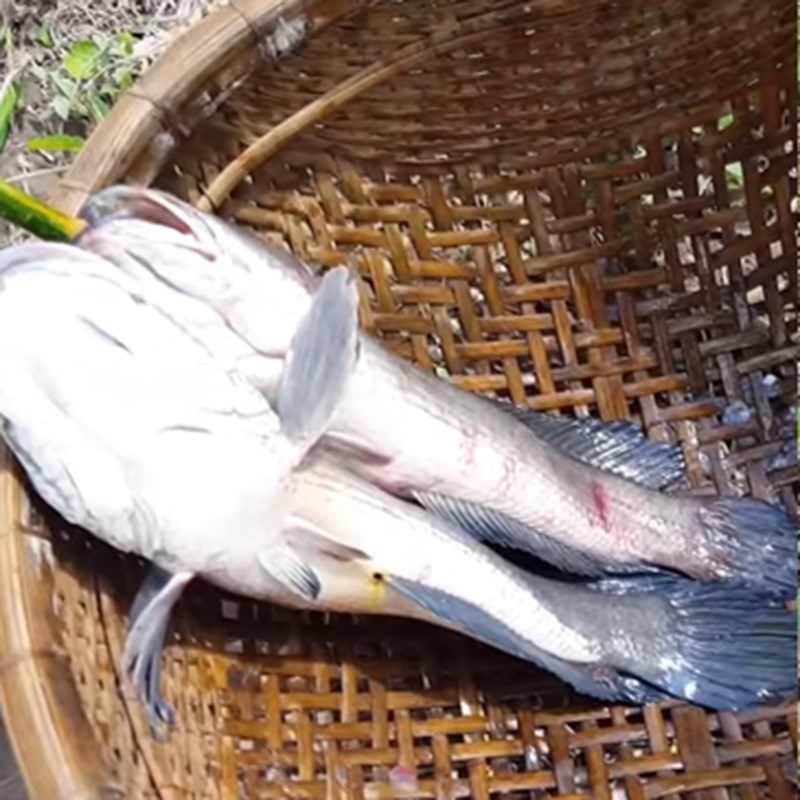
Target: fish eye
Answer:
pixel 377 576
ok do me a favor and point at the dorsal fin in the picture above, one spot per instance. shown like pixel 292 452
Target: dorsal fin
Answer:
pixel 617 447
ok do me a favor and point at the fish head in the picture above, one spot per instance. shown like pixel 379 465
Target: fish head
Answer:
pixel 260 290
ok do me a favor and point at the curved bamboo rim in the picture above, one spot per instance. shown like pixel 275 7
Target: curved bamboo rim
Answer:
pixel 42 711
pixel 47 725
pixel 146 109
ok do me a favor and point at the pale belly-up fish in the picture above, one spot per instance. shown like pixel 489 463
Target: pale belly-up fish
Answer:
pixel 581 494
pixel 129 428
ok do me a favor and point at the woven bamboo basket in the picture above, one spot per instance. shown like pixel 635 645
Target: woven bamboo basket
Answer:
pixel 582 205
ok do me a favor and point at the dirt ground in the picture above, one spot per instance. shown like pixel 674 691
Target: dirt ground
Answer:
pixel 38 37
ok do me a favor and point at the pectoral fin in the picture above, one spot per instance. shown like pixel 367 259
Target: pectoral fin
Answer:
pixel 322 356
pixel 319 569
pixel 149 620
pixel 289 568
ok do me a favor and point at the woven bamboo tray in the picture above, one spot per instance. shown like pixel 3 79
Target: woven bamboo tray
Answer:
pixel 583 205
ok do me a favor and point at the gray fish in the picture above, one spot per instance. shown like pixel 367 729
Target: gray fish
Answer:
pixel 349 545
pixel 583 495
pixel 129 428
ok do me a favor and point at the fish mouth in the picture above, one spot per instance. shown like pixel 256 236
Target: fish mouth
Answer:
pixel 131 202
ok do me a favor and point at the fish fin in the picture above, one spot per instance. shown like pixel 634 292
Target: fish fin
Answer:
pixel 603 681
pixel 597 680
pixel 733 648
pixel 617 447
pixel 305 536
pixel 498 529
pixel 751 542
pixel 321 359
pixel 288 567
pixel 141 660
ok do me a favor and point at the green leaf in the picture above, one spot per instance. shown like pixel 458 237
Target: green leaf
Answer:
pixel 81 61
pixel 45 36
pixel 724 122
pixel 98 107
pixel 8 104
pixel 40 219
pixel 56 143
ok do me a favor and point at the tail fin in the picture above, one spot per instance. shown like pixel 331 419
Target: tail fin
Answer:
pixel 751 542
pixel 725 647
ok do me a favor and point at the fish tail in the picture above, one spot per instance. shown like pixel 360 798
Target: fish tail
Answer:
pixel 750 542
pixel 726 647
pixel 595 680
